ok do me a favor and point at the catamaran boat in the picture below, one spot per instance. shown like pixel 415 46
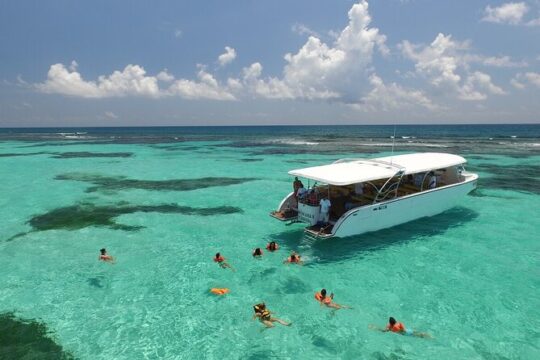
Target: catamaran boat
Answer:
pixel 373 194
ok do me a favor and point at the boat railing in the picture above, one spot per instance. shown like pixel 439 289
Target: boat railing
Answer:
pixel 390 193
pixel 389 187
pixel 423 181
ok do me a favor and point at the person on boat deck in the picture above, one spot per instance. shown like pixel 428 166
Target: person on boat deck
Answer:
pixel 257 253
pixel 265 316
pixel 294 258
pixel 301 193
pixel 297 184
pixel 359 189
pixel 222 261
pixel 105 257
pixel 398 327
pixel 272 246
pixel 328 300
pixel 432 184
pixel 312 197
pixel 325 210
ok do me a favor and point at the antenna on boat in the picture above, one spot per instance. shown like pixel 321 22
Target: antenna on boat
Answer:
pixel 393 142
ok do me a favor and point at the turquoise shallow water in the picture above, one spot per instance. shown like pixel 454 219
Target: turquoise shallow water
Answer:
pixel 469 277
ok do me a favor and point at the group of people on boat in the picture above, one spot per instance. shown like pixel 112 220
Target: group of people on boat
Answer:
pixel 350 198
pixel 313 198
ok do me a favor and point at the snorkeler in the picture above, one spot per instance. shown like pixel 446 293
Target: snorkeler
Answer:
pixel 257 253
pixel 328 300
pixel 294 259
pixel 398 327
pixel 105 257
pixel 272 246
pixel 265 317
pixel 221 261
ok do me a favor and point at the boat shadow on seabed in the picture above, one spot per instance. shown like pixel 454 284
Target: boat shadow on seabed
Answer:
pixel 338 249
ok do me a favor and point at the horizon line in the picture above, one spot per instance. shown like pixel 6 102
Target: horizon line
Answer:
pixel 270 125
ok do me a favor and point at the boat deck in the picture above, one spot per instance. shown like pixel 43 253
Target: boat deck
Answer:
pixel 319 230
pixel 286 215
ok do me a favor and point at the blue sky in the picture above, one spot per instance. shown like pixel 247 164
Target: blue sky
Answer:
pixel 116 63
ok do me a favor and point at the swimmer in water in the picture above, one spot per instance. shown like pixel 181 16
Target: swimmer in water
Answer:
pixel 222 262
pixel 272 246
pixel 329 300
pixel 105 257
pixel 265 316
pixel 257 253
pixel 398 327
pixel 294 259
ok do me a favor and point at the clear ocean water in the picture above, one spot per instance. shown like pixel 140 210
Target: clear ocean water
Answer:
pixel 163 201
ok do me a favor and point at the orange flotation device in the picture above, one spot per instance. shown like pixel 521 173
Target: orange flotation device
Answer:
pixel 219 291
pixel 325 300
pixel 219 259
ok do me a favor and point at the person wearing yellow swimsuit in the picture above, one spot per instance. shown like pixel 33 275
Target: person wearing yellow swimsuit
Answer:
pixel 265 316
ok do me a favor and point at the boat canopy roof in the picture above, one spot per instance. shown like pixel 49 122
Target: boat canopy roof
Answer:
pixel 352 171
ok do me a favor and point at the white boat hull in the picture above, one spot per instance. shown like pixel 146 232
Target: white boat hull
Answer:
pixel 390 213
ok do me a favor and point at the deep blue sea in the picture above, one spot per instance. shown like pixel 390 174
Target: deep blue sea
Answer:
pixel 164 200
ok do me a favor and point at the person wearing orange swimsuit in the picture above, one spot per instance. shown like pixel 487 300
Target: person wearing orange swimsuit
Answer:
pixel 222 261
pixel 399 328
pixel 105 257
pixel 328 300
pixel 294 259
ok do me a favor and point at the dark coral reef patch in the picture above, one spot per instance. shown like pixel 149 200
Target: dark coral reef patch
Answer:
pixel 105 183
pixel 524 178
pixel 28 339
pixel 87 154
pixel 83 215
pixel 21 154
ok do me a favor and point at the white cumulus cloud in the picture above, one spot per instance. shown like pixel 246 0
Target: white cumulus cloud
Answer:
pixel 521 80
pixel 302 29
pixel 509 13
pixel 132 81
pixel 110 115
pixel 502 61
pixel 206 88
pixel 391 97
pixel 533 78
pixel 477 86
pixel 318 70
pixel 227 57
pixel 517 84
pixel 164 76
pixel 445 63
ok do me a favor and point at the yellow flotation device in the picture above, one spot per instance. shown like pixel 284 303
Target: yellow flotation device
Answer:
pixel 219 291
